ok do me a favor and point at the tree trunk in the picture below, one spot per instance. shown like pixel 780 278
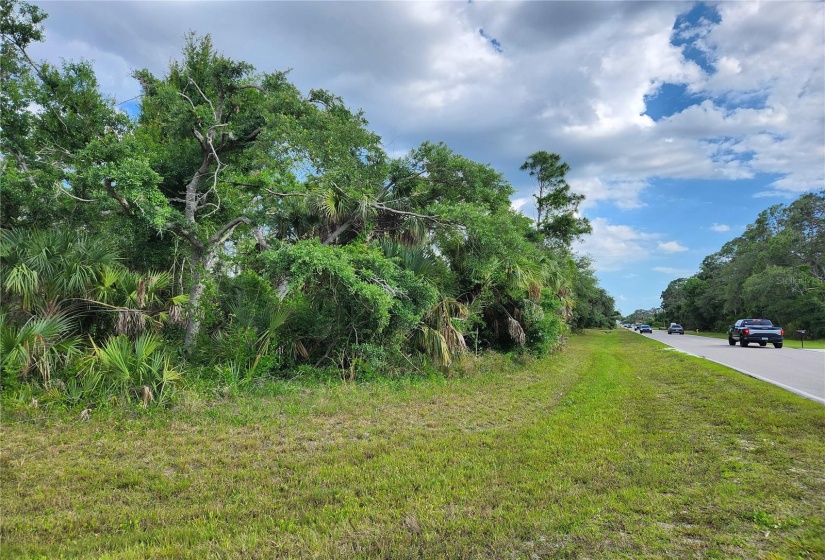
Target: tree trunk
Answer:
pixel 205 256
pixel 203 270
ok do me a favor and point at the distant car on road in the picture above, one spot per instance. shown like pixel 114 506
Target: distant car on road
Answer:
pixel 675 328
pixel 645 328
pixel 759 331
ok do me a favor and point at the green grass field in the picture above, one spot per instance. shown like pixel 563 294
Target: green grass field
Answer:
pixel 613 448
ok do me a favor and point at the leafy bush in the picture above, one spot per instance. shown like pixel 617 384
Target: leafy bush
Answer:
pixel 544 326
pixel 342 298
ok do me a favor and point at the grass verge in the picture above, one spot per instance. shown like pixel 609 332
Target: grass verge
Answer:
pixel 613 448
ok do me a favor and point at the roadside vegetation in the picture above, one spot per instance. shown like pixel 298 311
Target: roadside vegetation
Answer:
pixel 234 229
pixel 613 448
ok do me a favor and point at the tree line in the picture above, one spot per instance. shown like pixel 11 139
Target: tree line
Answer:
pixel 237 229
pixel 774 270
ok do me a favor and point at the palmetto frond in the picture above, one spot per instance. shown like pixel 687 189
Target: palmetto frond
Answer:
pixel 558 283
pixel 438 335
pixel 516 331
pixel 141 301
pixel 433 344
pixel 127 367
pixel 524 277
pixel 108 278
pixel 415 259
pixel 42 344
pixel 44 267
pixel 22 281
pixel 553 276
pixel 568 302
pixel 365 208
pixel 331 204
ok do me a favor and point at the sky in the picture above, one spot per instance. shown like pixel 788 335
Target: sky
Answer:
pixel 680 121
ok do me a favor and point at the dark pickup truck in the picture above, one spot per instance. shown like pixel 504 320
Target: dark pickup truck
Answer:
pixel 758 331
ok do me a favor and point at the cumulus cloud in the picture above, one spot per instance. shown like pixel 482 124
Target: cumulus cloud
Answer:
pixel 615 246
pixel 720 228
pixel 624 194
pixel 671 247
pixel 518 203
pixel 783 65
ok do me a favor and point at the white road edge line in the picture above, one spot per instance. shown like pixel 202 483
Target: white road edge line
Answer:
pixel 794 390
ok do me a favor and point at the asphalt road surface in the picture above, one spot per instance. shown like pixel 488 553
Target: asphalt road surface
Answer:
pixel 799 371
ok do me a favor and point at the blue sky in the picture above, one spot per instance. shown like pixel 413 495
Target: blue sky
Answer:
pixel 680 121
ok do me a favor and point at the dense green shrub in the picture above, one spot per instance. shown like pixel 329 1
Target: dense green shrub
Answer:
pixel 343 298
pixel 545 327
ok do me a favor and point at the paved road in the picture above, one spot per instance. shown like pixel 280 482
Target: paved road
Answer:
pixel 799 371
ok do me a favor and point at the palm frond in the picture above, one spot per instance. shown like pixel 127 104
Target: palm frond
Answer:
pixel 42 344
pixel 433 344
pixel 48 267
pixel 438 335
pixel 22 281
pixel 413 230
pixel 516 331
pixel 126 367
pixel 330 204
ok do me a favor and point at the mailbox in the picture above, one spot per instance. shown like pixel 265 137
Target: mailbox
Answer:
pixel 802 334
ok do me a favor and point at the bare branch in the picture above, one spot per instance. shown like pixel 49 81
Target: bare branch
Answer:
pixel 273 193
pixel 192 188
pixel 189 99
pixel 38 69
pixel 201 139
pixel 197 87
pixel 341 229
pixel 434 218
pixel 259 237
pixel 223 234
pixel 189 236
pixel 251 136
pixel 22 163
pixel 251 86
pixel 114 194
pixel 61 189
pixel 394 182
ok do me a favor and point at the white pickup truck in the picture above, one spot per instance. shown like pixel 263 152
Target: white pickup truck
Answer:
pixel 758 331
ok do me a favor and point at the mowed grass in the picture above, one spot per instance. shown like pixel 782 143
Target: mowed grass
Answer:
pixel 613 448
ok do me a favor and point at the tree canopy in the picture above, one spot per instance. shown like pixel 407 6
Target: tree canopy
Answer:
pixel 775 269
pixel 557 206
